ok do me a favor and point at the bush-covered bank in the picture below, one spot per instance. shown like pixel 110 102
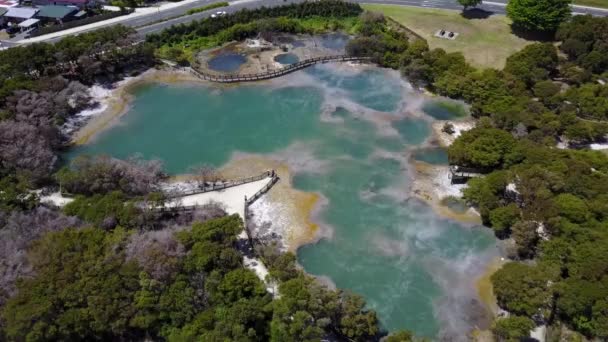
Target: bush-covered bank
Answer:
pixel 551 202
pixel 43 85
pixel 210 26
pixel 183 51
pixel 179 43
pixel 184 284
pixel 105 267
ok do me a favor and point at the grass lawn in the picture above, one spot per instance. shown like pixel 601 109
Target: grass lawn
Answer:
pixel 484 42
pixel 592 3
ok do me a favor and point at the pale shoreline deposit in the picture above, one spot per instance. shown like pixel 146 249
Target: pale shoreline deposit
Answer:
pixel 113 103
pixel 431 183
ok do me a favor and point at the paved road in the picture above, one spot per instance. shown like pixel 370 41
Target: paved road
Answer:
pixel 157 21
pixel 497 7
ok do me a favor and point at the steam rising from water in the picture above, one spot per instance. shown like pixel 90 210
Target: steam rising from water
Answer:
pixel 346 133
pixel 412 236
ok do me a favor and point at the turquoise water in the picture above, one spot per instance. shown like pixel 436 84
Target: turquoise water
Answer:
pixel 444 109
pixel 343 133
pixel 432 155
pixel 227 62
pixel 286 58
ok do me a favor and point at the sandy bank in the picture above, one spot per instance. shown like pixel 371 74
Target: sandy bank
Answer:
pixel 431 184
pixel 460 126
pixel 284 211
pixel 114 102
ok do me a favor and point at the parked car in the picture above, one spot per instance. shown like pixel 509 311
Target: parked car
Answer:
pixel 218 14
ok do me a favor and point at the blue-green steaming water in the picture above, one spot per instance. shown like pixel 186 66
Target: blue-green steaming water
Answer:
pixel 415 269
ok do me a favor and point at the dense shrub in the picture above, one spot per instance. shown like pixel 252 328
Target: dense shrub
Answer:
pixel 89 175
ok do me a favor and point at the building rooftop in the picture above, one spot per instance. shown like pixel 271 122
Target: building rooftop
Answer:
pixel 8 3
pixel 79 2
pixel 56 11
pixel 29 23
pixel 21 12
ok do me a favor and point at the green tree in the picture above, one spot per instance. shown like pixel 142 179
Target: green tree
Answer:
pixel 83 289
pixel 469 3
pixel 15 194
pixel 512 329
pixel 534 63
pixel 400 336
pixel 538 15
pixel 356 323
pixel 572 208
pixel 484 148
pixel 581 37
pixel 525 236
pixel 576 302
pixel 106 211
pixel 522 289
pixel 547 91
pixel 237 284
pixel 502 218
pixel 486 192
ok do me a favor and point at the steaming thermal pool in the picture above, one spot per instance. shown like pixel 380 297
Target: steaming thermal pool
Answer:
pixel 346 133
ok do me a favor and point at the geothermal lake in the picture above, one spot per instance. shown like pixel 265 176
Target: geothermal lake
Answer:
pixel 347 134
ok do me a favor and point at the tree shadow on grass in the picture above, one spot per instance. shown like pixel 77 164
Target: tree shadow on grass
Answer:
pixel 544 37
pixel 476 13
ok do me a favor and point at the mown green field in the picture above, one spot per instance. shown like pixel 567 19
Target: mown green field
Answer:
pixel 484 42
pixel 593 3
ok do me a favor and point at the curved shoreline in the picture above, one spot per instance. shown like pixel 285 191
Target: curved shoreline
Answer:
pixel 120 98
pixel 304 225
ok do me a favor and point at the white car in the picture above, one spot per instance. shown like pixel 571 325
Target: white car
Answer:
pixel 218 14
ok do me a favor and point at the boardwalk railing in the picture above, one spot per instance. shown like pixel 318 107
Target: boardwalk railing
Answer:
pixel 460 174
pixel 275 178
pixel 249 201
pixel 215 186
pixel 278 72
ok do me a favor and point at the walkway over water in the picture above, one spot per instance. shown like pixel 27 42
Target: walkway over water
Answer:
pixel 278 72
pixel 234 195
pixel 460 174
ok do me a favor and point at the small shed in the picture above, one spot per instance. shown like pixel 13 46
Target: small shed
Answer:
pixel 56 13
pixel 28 24
pixel 19 14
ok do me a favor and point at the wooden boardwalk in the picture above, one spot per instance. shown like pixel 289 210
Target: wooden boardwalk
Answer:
pixel 459 174
pixel 278 72
pixel 216 186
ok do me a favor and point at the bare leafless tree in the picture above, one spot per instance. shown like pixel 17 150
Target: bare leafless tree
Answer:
pixel 157 252
pixel 19 230
pixel 101 174
pixel 204 174
pixel 25 150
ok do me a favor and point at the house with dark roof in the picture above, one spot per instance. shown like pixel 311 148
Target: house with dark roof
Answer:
pixel 81 4
pixel 56 13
